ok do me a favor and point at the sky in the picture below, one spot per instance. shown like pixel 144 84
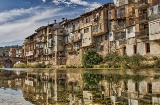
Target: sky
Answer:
pixel 20 18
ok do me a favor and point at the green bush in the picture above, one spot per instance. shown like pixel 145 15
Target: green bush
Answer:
pixel 21 65
pixel 136 60
pixel 39 65
pixel 91 58
pixel 131 62
pixel 157 63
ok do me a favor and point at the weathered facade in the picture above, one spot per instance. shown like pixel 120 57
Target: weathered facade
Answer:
pixel 16 51
pixel 95 29
pixel 73 42
pixel 122 29
pixel 154 27
pixel 46 45
pixel 29 48
pixel 125 26
pixel 142 28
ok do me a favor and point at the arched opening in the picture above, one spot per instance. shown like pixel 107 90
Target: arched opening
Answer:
pixel 8 63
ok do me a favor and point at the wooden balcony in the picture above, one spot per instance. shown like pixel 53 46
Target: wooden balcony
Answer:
pixel 120 36
pixel 155 2
pixel 111 14
pixel 143 18
pixel 143 34
pixel 130 22
pixel 121 15
pixel 122 42
pixel 142 4
pixel 77 37
pixel 152 15
pixel 119 26
pixel 124 2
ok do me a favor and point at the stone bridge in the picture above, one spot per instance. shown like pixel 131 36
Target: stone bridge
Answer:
pixel 8 62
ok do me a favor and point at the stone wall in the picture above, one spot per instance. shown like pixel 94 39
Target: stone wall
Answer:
pixel 141 48
pixel 74 58
pixel 155 48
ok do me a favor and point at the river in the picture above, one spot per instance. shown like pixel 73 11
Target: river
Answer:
pixel 79 87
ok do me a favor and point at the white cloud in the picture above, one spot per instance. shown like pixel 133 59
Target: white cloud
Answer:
pixel 43 1
pixel 20 29
pixel 9 15
pixel 89 5
pixel 17 24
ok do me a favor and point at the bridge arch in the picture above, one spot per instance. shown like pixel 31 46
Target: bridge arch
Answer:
pixel 8 62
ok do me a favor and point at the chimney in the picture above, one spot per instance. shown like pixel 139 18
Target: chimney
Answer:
pixel 55 21
pixel 63 19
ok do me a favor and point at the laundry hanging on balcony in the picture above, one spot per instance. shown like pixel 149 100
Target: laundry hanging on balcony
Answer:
pixel 155 9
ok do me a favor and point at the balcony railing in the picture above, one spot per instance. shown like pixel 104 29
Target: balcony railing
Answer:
pixel 143 33
pixel 120 36
pixel 121 14
pixel 154 12
pixel 155 2
pixel 77 36
pixel 130 22
pixel 142 4
pixel 119 26
pixel 122 2
pixel 143 17
pixel 122 42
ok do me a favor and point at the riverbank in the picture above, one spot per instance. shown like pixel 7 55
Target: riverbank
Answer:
pixel 111 61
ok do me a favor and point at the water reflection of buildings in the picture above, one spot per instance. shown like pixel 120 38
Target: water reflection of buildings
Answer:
pixel 59 87
pixel 51 87
pixel 10 79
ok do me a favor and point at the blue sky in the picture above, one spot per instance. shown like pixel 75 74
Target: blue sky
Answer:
pixel 20 18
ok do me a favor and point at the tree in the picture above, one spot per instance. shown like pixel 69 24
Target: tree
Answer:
pixel 91 58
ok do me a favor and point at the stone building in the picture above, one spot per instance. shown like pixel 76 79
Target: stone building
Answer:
pixel 142 28
pixel 154 27
pixel 4 51
pixel 95 29
pixel 122 30
pixel 46 45
pixel 73 41
pixel 16 51
pixel 29 48
pixel 88 31
pixel 124 26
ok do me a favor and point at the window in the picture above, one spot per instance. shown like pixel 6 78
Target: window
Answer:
pixel 102 48
pixel 124 50
pixel 147 48
pixel 86 30
pixel 49 30
pixel 61 31
pixel 149 88
pixel 136 87
pixel 95 28
pixel 100 26
pixel 84 40
pixel 135 49
pixel 130 30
